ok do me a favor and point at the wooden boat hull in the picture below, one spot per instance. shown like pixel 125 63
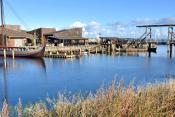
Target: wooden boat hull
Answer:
pixel 37 53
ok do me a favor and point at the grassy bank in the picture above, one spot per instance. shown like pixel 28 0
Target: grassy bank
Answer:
pixel 156 100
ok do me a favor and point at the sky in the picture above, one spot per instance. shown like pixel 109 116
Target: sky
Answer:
pixel 104 17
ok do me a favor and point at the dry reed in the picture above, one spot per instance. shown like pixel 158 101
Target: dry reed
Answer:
pixel 156 100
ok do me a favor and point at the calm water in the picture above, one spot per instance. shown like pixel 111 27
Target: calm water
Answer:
pixel 33 80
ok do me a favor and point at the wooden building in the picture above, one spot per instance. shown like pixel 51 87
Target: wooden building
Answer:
pixel 66 37
pixel 13 36
pixel 39 33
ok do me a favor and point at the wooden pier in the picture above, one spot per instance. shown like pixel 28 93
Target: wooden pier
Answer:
pixel 64 56
pixel 70 52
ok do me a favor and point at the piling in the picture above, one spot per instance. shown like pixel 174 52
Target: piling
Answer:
pixel 80 51
pixel 149 46
pixel 171 49
pixel 5 56
pixel 13 54
pixel 50 53
pixel 102 51
pixel 96 50
pixel 89 51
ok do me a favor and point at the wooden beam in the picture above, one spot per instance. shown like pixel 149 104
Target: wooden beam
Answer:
pixel 162 25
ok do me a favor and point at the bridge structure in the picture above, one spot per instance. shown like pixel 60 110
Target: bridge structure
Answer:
pixel 147 36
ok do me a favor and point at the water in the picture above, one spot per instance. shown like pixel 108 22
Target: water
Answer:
pixel 34 80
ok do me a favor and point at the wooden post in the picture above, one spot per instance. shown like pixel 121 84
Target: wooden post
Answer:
pixel 50 53
pixel 13 54
pixel 71 51
pixel 168 47
pixel 96 50
pixel 149 49
pixel 84 42
pixel 89 51
pixel 171 49
pixel 5 56
pixel 80 51
pixel 149 46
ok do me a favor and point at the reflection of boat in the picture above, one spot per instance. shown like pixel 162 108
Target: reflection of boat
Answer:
pixel 15 67
pixel 15 51
pixel 18 63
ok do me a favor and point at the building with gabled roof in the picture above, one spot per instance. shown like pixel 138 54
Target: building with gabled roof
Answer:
pixel 67 37
pixel 13 36
pixel 39 33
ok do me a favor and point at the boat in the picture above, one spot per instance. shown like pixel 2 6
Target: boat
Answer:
pixel 6 51
pixel 37 52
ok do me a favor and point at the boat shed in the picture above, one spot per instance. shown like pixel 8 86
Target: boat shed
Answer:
pixel 66 37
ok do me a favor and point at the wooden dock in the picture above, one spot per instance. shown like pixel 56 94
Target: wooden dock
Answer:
pixel 78 51
pixel 68 52
pixel 61 56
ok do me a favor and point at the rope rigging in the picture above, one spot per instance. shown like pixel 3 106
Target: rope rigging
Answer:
pixel 9 5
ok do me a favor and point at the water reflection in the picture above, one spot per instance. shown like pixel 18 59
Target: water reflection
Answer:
pixel 170 76
pixel 4 83
pixel 12 66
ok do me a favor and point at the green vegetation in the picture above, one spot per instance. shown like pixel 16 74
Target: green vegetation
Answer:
pixel 151 101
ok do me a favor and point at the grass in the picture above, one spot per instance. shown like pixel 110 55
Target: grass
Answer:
pixel 156 100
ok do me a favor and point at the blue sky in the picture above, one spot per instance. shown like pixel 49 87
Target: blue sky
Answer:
pixel 109 17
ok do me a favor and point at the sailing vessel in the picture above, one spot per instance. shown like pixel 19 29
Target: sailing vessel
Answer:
pixel 7 51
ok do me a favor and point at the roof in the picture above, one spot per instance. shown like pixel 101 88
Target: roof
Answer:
pixel 65 34
pixel 115 38
pixel 63 30
pixel 156 25
pixel 73 38
pixel 13 33
pixel 51 29
pixel 68 38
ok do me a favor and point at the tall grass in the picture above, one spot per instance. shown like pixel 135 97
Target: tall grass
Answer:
pixel 156 100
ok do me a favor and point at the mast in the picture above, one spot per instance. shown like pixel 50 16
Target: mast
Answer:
pixel 2 23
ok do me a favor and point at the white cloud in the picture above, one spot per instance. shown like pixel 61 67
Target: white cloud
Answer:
pixel 91 29
pixel 169 20
pixel 77 24
pixel 142 22
pixel 118 29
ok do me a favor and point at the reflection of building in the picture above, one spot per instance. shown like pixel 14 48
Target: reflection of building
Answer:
pixel 39 33
pixel 14 36
pixel 67 37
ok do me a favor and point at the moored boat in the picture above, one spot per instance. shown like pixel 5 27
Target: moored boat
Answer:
pixel 37 52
